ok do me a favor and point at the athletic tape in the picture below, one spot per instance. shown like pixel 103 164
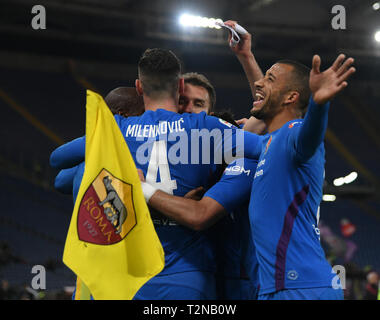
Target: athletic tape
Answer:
pixel 235 39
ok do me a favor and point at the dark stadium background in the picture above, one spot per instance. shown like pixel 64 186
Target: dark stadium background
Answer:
pixel 96 44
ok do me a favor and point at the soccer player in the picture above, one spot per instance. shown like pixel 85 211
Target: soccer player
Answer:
pixel 123 101
pixel 287 186
pixel 189 261
pixel 229 236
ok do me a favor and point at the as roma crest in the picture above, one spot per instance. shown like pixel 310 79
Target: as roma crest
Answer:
pixel 106 212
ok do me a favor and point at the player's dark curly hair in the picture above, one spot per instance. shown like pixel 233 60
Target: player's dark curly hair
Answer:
pixel 159 72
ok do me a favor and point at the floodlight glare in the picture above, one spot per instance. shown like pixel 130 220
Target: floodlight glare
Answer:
pixel 338 182
pixel 377 36
pixel 345 180
pixel 188 20
pixel 350 178
pixel 329 197
pixel 376 6
pixel 185 19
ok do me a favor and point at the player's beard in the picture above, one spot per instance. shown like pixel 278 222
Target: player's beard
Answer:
pixel 265 112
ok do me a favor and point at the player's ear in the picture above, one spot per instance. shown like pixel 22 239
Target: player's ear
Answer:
pixel 181 86
pixel 139 87
pixel 291 97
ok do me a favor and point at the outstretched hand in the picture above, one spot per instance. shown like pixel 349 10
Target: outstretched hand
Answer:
pixel 327 84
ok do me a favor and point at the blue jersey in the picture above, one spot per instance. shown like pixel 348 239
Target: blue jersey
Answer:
pixel 284 205
pixel 232 237
pixel 161 144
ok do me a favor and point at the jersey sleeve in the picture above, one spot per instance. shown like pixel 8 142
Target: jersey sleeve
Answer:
pixel 234 188
pixel 234 140
pixel 64 180
pixel 69 155
pixel 305 139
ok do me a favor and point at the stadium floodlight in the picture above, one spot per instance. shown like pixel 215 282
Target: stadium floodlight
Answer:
pixel 329 197
pixel 188 20
pixel 377 36
pixel 376 6
pixel 350 178
pixel 338 182
pixel 345 180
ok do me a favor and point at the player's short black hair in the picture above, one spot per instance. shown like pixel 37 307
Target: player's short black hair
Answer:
pixel 159 72
pixel 299 82
pixel 197 79
pixel 125 101
pixel 225 115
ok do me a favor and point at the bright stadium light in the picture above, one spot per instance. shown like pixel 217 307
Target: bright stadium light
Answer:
pixel 338 182
pixel 329 197
pixel 376 6
pixel 188 20
pixel 377 36
pixel 345 180
pixel 350 178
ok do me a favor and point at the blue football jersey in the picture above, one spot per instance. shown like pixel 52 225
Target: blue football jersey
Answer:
pixel 177 156
pixel 284 205
pixel 232 236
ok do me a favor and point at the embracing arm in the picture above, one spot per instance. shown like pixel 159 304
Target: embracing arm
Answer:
pixel 64 180
pixel 69 155
pixel 197 215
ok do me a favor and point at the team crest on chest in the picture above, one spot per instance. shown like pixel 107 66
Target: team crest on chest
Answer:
pixel 106 212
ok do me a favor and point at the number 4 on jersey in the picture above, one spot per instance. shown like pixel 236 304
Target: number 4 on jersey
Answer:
pixel 159 162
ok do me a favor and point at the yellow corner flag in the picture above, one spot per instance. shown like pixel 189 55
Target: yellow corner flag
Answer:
pixel 111 243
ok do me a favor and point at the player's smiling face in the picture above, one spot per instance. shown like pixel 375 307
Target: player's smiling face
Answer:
pixel 269 92
pixel 195 99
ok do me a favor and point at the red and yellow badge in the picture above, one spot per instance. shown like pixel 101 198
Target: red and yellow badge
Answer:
pixel 268 144
pixel 106 212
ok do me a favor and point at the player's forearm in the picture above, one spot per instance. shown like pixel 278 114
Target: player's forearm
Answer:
pixel 187 212
pixel 313 129
pixel 251 69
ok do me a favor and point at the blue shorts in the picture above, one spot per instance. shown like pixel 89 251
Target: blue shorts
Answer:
pixel 192 285
pixel 325 293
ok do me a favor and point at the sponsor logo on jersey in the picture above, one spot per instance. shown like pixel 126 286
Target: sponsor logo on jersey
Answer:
pixel 106 212
pixel 236 169
pixel 293 123
pixel 230 125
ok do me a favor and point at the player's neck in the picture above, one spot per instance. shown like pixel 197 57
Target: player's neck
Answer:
pixel 168 104
pixel 279 120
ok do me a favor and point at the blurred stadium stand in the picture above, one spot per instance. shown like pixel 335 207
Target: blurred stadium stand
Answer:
pixel 96 44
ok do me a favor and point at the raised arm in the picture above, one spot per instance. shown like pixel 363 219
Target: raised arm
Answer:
pixel 243 51
pixel 324 87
